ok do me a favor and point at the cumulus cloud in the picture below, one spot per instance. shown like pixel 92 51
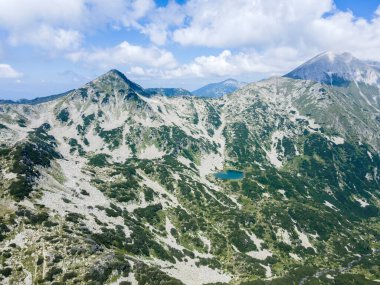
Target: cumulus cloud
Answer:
pixel 257 36
pixel 297 24
pixel 48 38
pixel 235 36
pixel 60 25
pixel 19 14
pixel 136 9
pixel 227 23
pixel 221 65
pixel 75 14
pixel 162 20
pixel 126 54
pixel 344 32
pixel 7 71
pixel 226 64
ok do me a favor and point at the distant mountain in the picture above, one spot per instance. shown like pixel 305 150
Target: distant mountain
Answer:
pixel 361 78
pixel 216 90
pixel 374 64
pixel 338 69
pixel 169 92
pixel 35 101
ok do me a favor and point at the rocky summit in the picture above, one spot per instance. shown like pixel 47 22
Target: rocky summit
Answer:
pixel 114 184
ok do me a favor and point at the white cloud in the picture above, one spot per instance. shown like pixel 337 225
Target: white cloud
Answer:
pixel 267 37
pixel 72 14
pixel 136 9
pixel 343 32
pixel 49 38
pixel 227 23
pixel 223 64
pixel 226 64
pixel 126 55
pixel 250 36
pixel 308 26
pixel 7 71
pixel 48 24
pixel 162 20
pixel 18 14
pixel 57 25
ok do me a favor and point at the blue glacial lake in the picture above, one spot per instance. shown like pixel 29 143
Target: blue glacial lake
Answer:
pixel 230 175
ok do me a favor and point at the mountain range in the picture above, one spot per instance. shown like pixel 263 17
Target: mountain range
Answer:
pixel 35 101
pixel 213 90
pixel 217 90
pixel 170 92
pixel 111 184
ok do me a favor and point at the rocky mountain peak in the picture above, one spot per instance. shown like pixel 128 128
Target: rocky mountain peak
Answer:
pixel 117 79
pixel 337 69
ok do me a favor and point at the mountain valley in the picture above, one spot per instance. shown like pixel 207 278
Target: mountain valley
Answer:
pixel 112 183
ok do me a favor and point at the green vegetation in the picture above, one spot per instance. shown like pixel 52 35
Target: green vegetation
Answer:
pixel 75 146
pixel 99 160
pixel 27 157
pixel 112 137
pixel 21 122
pixel 314 215
pixel 153 276
pixel 63 115
pixel 3 127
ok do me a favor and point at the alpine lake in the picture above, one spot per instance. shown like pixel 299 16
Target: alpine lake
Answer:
pixel 230 175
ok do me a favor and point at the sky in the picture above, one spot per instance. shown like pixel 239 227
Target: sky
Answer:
pixel 51 46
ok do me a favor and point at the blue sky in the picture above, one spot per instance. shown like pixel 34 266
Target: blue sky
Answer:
pixel 364 8
pixel 50 46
